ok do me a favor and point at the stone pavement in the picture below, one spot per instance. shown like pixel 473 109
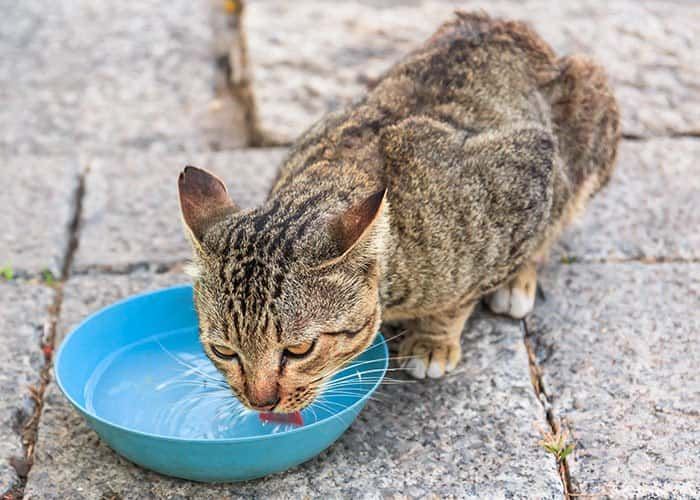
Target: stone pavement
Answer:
pixel 131 206
pixel 473 433
pixel 85 76
pixel 104 103
pixel 24 318
pixel 37 212
pixel 648 48
pixel 619 349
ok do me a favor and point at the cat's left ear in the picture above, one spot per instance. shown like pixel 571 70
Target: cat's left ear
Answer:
pixel 204 201
pixel 357 225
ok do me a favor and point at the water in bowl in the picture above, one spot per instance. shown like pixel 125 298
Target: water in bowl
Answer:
pixel 165 385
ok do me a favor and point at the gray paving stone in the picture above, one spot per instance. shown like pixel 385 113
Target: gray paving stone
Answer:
pixel 22 320
pixel 472 435
pixel 131 213
pixel 619 348
pixel 649 49
pixel 107 76
pixel 649 211
pixel 37 206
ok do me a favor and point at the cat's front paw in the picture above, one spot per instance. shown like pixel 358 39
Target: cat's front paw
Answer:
pixel 426 356
pixel 512 302
pixel 517 298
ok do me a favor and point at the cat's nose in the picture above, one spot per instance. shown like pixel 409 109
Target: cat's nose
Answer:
pixel 263 395
pixel 268 405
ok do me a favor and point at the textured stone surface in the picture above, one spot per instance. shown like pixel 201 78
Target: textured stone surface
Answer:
pixel 473 434
pixel 37 206
pixel 619 348
pixel 23 314
pixel 649 211
pixel 105 76
pixel 131 212
pixel 649 49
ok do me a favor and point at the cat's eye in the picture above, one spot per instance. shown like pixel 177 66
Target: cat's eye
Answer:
pixel 223 352
pixel 301 349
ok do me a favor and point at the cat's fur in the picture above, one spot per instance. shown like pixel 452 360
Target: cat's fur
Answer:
pixel 444 184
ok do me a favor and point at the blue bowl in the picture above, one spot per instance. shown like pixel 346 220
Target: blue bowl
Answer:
pixel 137 373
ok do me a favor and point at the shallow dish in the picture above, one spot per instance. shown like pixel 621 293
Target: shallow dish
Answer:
pixel 137 373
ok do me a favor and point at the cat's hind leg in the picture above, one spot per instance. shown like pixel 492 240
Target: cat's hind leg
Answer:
pixel 517 297
pixel 432 345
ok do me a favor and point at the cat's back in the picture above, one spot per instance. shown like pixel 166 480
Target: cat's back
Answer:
pixel 474 74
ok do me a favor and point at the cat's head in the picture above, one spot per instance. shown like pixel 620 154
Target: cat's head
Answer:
pixel 286 293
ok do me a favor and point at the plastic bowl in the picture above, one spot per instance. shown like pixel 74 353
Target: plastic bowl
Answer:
pixel 137 373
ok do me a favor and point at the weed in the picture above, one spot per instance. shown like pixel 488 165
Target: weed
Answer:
pixel 556 444
pixel 48 277
pixel 7 272
pixel 569 259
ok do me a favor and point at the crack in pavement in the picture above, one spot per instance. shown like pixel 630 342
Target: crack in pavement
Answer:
pixel 541 394
pixel 30 427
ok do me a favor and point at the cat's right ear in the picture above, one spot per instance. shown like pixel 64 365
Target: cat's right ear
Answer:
pixel 204 201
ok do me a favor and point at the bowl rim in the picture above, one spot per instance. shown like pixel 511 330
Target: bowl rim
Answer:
pixel 92 415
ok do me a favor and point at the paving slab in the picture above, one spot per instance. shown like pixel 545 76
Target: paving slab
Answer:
pixel 649 210
pixel 632 218
pixel 131 212
pixel 38 198
pixel 473 434
pixel 299 71
pixel 23 315
pixel 105 76
pixel 619 348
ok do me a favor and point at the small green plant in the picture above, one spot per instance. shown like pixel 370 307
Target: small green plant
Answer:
pixel 7 272
pixel 48 277
pixel 568 259
pixel 556 444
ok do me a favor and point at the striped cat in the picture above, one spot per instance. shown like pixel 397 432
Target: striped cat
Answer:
pixel 445 184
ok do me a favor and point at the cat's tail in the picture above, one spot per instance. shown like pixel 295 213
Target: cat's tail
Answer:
pixel 586 121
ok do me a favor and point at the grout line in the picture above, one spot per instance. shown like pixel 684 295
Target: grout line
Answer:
pixel 683 134
pixel 569 260
pixel 240 82
pixel 74 227
pixel 30 427
pixel 543 398
pixel 238 77
pixel 126 269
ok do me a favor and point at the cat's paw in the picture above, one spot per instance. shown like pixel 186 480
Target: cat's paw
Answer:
pixel 423 356
pixel 511 301
pixel 516 298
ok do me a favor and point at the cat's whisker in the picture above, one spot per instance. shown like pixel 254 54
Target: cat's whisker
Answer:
pixel 193 383
pixel 391 358
pixel 235 411
pixel 386 341
pixel 187 365
pixel 364 387
pixel 352 364
pixel 332 414
pixel 366 381
pixel 359 374
pixel 359 395
pixel 311 409
pixel 194 399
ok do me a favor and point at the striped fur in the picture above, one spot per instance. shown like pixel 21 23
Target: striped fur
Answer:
pixel 487 145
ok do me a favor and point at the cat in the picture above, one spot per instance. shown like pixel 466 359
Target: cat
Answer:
pixel 444 185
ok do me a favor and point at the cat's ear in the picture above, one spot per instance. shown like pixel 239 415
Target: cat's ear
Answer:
pixel 204 201
pixel 355 225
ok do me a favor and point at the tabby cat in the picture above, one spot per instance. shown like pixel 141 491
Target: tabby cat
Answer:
pixel 445 184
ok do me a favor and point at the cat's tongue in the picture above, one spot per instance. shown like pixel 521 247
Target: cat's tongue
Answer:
pixel 283 418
